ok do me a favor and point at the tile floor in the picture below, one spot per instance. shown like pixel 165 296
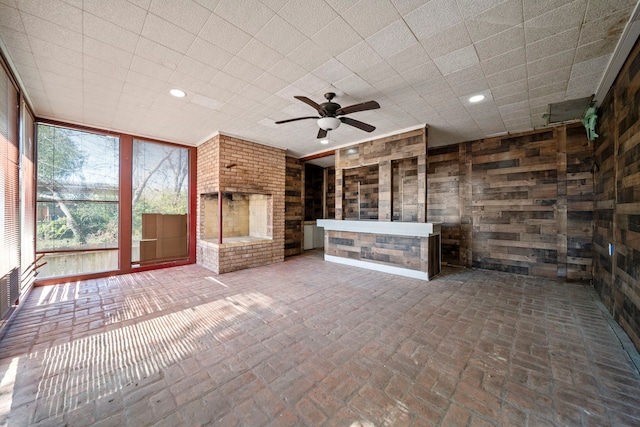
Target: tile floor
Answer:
pixel 307 342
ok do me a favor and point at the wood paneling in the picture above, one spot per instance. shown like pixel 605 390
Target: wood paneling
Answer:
pixel 360 193
pixel 520 203
pixel 617 206
pixel 293 211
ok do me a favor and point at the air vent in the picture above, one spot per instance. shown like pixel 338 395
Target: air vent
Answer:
pixel 568 111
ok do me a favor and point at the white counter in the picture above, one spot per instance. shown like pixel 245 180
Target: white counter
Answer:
pixel 408 249
pixel 416 229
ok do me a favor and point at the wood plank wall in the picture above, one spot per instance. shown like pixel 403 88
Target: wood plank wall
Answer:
pixel 617 275
pixel 330 179
pixel 293 211
pixel 405 190
pixel 521 203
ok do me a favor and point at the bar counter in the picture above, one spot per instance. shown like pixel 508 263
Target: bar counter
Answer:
pixel 408 249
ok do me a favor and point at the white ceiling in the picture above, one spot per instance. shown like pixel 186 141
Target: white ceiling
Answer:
pixel 110 64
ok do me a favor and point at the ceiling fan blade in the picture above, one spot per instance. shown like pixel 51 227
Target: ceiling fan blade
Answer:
pixel 364 106
pixel 296 119
pixel 309 102
pixel 321 133
pixel 357 123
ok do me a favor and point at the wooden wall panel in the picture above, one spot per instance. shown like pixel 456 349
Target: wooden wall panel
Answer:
pixel 330 174
pixel 444 200
pixel 519 203
pixel 514 201
pixel 618 275
pixel 293 211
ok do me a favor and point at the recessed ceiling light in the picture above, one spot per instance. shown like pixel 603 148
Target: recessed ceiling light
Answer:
pixel 476 98
pixel 324 141
pixel 177 93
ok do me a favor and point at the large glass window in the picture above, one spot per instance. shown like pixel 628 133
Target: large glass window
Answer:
pixel 77 201
pixel 160 202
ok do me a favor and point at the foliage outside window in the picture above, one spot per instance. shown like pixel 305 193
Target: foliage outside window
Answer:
pixel 77 196
pixel 159 187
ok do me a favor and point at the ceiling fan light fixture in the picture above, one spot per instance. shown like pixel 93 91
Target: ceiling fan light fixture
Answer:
pixel 329 123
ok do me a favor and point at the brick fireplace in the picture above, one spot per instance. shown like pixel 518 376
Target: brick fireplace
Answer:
pixel 240 204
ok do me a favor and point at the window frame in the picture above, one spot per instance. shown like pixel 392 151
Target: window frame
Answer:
pixel 125 205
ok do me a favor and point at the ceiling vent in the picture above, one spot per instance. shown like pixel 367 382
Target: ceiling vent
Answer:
pixel 568 111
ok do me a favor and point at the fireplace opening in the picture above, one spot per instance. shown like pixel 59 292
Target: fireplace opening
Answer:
pixel 246 217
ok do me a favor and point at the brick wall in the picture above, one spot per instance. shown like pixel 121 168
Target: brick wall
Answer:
pixel 233 165
pixel 617 199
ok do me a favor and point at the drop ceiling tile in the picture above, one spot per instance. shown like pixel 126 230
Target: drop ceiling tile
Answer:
pixel 146 84
pixel 157 53
pixel 519 86
pixel 501 43
pixel 186 14
pixel 212 57
pixel 218 93
pixel 377 72
pixel 549 63
pixel 254 93
pixel 242 69
pixel 609 26
pixel 471 8
pixel 433 17
pixel 419 74
pixel 427 88
pixel 229 81
pixel 546 100
pixel 596 49
pixel 390 84
pixel 167 34
pixel 287 70
pixel 457 60
pixel 465 75
pixel 354 86
pixel 552 45
pixel 55 11
pixel 368 17
pixel 555 22
pixel 360 57
pixel 596 9
pixel 280 35
pixel 186 83
pixel 269 82
pixel 276 103
pixel 559 87
pixel 52 33
pixel 447 41
pixel 106 52
pixel 10 18
pixel 409 58
pixel 309 55
pixel 42 48
pixel 150 68
pixel 104 68
pixel 505 61
pixel 274 5
pixel 223 34
pixel 595 65
pixel 259 54
pixel 332 71
pixel 551 77
pixel 248 15
pixel 308 16
pixel 144 4
pixel 22 58
pixel 106 32
pixel 495 20
pixel 508 76
pixel 310 84
pixel 51 65
pixel 533 9
pixel 392 39
pixel 336 37
pixel 512 99
pixel 122 14
pixel 471 87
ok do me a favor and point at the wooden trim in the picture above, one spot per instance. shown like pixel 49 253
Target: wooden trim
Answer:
pixel 125 206
pixel 561 202
pixel 318 156
pixel 193 203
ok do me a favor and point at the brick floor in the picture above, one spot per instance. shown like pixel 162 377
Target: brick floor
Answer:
pixel 307 342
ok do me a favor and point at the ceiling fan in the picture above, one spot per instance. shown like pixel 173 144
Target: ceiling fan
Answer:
pixel 329 111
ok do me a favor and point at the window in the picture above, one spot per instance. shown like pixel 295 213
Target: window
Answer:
pixel 77 201
pixel 160 203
